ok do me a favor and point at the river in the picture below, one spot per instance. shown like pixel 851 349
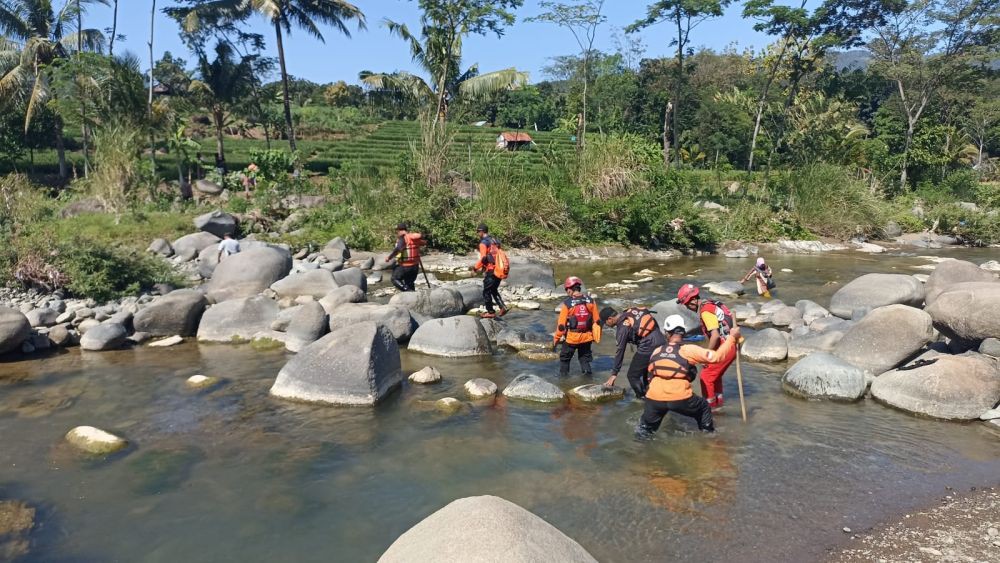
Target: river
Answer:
pixel 231 474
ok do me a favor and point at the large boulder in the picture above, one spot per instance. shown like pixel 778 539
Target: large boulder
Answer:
pixel 968 311
pixel 434 303
pixel 800 345
pixel 947 387
pixel 237 320
pixel 824 376
pixel 530 273
pixel 248 273
pixel 453 336
pixel 885 338
pixel 177 312
pixel 876 290
pixel 671 307
pixel 396 319
pixel 208 261
pixel 352 276
pixel 596 393
pixel 484 529
pixel 317 283
pixel 357 365
pixel 188 246
pixel 811 311
pixel 787 316
pixel 105 336
pixel 14 329
pixel 529 387
pixel 207 187
pixel 950 273
pixel 342 295
pixel 472 294
pixel 768 345
pixel 42 317
pixel 162 247
pixel 308 324
pixel 337 249
pixel 523 339
pixel 726 288
pixel 219 223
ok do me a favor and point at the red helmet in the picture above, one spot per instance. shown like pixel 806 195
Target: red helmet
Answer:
pixel 686 293
pixel 571 281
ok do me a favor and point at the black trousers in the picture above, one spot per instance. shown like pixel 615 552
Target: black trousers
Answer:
pixel 638 373
pixel 404 276
pixel 654 411
pixel 584 354
pixel 491 292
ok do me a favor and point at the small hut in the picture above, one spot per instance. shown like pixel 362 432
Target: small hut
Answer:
pixel 514 141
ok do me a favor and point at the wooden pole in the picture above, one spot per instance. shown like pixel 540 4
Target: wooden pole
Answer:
pixel 739 382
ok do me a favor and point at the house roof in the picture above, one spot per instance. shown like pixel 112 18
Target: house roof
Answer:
pixel 516 137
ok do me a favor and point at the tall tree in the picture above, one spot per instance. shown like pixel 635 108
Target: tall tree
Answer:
pixel 438 49
pixel 282 14
pixel 222 83
pixel 684 16
pixel 582 21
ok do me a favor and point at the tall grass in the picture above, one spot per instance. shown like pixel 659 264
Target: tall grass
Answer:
pixel 118 169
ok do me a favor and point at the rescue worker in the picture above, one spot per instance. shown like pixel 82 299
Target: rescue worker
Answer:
pixel 716 324
pixel 578 327
pixel 764 277
pixel 636 326
pixel 491 283
pixel 671 371
pixel 408 252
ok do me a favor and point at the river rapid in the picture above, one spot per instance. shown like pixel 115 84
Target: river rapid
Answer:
pixel 231 474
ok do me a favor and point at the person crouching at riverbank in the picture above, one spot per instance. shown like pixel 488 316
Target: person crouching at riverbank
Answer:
pixel 636 326
pixel 577 327
pixel 671 371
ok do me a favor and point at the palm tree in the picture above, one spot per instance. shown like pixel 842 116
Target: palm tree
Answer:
pixel 43 35
pixel 281 14
pixel 222 83
pixel 440 55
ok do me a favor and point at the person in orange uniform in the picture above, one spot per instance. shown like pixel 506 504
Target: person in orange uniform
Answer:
pixel 408 251
pixel 578 327
pixel 671 371
pixel 491 283
pixel 717 324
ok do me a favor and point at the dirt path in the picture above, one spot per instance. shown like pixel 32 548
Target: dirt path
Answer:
pixel 962 528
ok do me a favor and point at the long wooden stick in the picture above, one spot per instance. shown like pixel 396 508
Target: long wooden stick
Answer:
pixel 739 382
pixel 423 271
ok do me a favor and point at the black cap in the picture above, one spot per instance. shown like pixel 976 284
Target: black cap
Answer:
pixel 402 227
pixel 482 228
pixel 607 313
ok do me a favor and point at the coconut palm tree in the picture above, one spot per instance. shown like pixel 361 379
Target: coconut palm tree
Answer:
pixel 440 55
pixel 281 14
pixel 222 83
pixel 43 35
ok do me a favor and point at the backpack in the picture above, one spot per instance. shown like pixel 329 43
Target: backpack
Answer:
pixel 579 317
pixel 501 263
pixel 724 315
pixel 642 321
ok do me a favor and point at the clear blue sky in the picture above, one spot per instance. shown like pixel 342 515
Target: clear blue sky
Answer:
pixel 527 46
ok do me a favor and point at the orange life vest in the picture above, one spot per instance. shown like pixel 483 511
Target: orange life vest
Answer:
pixel 669 375
pixel 642 322
pixel 410 256
pixel 579 318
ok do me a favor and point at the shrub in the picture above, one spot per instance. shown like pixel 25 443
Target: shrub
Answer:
pixel 118 170
pixel 616 165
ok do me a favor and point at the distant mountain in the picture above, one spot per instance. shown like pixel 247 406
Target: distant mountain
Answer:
pixel 850 60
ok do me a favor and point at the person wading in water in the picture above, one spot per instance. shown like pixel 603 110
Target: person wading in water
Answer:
pixel 636 326
pixel 577 327
pixel 716 324
pixel 408 252
pixel 490 258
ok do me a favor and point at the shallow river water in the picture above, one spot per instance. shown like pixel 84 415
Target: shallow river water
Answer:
pixel 233 475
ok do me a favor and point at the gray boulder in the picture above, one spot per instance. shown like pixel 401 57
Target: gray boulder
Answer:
pixel 595 393
pixel 529 387
pixel 768 345
pixel 434 303
pixel 105 336
pixel 877 290
pixel 307 326
pixel 824 376
pixel 352 276
pixel 990 347
pixel 830 323
pixel 60 335
pixel 480 388
pixel 219 223
pixel 726 288
pixel 523 339
pixel 162 247
pixel 188 246
pixel 892 230
pixel 317 283
pixel 207 187
pixel 357 365
pixel 951 387
pixel 453 336
pixel 248 273
pixel 237 320
pixel 530 273
pixel 801 345
pixel 472 295
pixel 968 311
pixel 950 273
pixel 342 295
pixel 786 316
pixel 396 319
pixel 671 307
pixel 42 317
pixel 811 311
pixel 177 312
pixel 208 261
pixel 885 338
pixel 14 329
pixel 484 529
pixel 337 249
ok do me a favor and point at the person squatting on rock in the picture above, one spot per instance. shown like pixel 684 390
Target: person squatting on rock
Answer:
pixel 228 247
pixel 671 371
pixel 491 283
pixel 716 324
pixel 407 254
pixel 636 326
pixel 764 277
pixel 577 327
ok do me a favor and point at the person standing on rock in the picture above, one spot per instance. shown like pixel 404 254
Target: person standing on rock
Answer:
pixel 636 326
pixel 228 247
pixel 717 323
pixel 407 254
pixel 487 264
pixel 764 277
pixel 577 327
pixel 671 371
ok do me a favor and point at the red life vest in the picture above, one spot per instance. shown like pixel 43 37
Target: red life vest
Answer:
pixel 721 312
pixel 579 318
pixel 410 256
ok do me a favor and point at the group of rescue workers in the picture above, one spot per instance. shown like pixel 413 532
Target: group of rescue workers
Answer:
pixel 662 368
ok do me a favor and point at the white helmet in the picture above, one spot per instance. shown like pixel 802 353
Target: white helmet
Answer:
pixel 674 323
